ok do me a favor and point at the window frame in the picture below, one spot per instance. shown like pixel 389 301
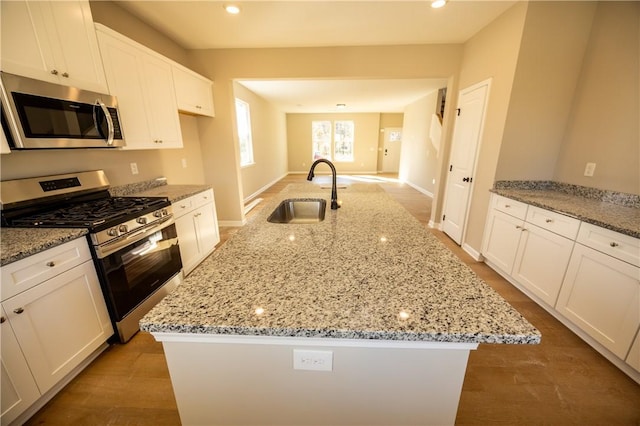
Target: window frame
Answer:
pixel 243 128
pixel 331 153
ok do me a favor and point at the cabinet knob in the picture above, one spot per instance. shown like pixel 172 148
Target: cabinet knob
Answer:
pixel 65 74
pixel 54 72
pixel 549 220
pixel 614 244
pixel 18 311
pixel 2 320
pixel 507 206
pixel 198 107
pixel 51 264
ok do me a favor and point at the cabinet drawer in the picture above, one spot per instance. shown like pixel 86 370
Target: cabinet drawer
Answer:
pixel 620 246
pixel 182 207
pixel 26 273
pixel 510 207
pixel 203 198
pixel 554 222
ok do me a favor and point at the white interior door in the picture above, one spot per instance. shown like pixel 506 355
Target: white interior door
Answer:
pixel 466 137
pixel 391 154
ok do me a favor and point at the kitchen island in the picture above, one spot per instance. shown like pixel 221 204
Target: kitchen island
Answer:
pixel 363 318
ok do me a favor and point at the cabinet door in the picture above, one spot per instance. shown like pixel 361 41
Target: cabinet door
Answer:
pixel 18 389
pixel 25 46
pixel 601 295
pixel 161 102
pixel 502 236
pixel 122 67
pixel 193 92
pixel 74 43
pixel 52 41
pixel 207 229
pixel 4 145
pixel 541 262
pixel 59 323
pixel 188 241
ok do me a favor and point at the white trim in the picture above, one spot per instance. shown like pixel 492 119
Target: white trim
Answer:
pixel 472 252
pixel 597 346
pixel 252 204
pixel 233 223
pixel 309 341
pixel 264 188
pixel 419 189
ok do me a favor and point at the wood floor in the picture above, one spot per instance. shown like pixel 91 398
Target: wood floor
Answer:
pixel 559 382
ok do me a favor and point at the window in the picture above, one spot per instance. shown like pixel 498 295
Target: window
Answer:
pixel 243 119
pixel 321 139
pixel 343 147
pixel 336 144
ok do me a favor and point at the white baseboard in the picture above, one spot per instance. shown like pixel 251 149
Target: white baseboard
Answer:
pixel 264 188
pixel 420 189
pixel 435 225
pixel 234 223
pixel 472 252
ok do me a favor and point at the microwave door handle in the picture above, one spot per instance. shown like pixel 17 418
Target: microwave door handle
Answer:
pixel 107 116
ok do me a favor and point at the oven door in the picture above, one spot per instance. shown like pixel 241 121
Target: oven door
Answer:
pixel 134 272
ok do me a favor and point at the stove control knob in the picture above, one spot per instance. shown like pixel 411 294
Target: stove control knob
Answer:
pixel 165 212
pixel 157 213
pixel 113 232
pixel 123 229
pixel 142 220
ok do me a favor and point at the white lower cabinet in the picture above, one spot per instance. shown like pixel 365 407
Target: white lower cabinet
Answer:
pixel 18 387
pixel 585 275
pixel 601 295
pixel 51 327
pixel 197 228
pixel 541 262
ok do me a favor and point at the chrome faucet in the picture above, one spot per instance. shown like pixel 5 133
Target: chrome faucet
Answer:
pixel 334 190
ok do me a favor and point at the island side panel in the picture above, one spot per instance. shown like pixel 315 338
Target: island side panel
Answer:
pixel 234 384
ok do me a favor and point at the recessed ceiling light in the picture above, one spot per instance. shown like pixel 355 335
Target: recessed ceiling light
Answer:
pixel 233 9
pixel 437 4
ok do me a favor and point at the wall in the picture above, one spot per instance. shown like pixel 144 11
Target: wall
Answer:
pixel 387 120
pixel 419 158
pixel 551 54
pixel 604 124
pixel 151 163
pixel 269 135
pixel 367 129
pixel 219 150
pixel 490 54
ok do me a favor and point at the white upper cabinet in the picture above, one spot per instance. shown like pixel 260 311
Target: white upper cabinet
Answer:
pixel 53 41
pixel 143 83
pixel 193 92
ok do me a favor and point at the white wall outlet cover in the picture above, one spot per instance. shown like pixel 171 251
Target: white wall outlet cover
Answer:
pixel 184 163
pixel 134 168
pixel 312 360
pixel 589 169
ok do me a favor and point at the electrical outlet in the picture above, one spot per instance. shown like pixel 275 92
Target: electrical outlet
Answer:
pixel 184 163
pixel 134 168
pixel 589 169
pixel 312 360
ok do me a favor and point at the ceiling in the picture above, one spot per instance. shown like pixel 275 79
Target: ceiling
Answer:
pixel 305 23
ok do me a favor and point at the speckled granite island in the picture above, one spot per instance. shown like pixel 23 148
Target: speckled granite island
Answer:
pixel 363 318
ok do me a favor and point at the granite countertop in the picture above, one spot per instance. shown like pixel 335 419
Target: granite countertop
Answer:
pixel 609 214
pixel 370 270
pixel 18 243
pixel 173 192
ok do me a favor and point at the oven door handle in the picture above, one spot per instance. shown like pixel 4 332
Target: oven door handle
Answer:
pixel 113 246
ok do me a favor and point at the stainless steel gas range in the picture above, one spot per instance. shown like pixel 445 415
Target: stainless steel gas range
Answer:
pixel 133 239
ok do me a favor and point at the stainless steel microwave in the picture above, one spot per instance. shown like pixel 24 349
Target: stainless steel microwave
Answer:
pixel 38 114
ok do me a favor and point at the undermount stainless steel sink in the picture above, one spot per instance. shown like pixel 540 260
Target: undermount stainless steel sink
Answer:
pixel 299 210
